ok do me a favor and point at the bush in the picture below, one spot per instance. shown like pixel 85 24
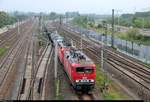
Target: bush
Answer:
pixel 6 19
pixel 134 34
pixel 2 51
pixel 91 24
pixel 99 26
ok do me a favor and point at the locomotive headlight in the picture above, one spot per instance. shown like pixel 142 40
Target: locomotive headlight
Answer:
pixel 77 81
pixel 92 80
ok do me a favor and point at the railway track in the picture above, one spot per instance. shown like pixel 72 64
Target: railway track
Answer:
pixel 26 79
pixel 10 40
pixel 24 91
pixel 25 85
pixel 6 66
pixel 22 80
pixel 138 70
pixel 34 79
pixel 39 80
pixel 12 34
pixel 49 87
pixel 44 88
pixel 135 71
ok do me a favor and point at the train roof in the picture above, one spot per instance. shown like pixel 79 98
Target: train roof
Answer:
pixel 78 57
pixel 64 44
pixel 56 37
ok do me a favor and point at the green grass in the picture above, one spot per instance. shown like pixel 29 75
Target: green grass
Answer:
pixel 112 93
pixel 100 77
pixel 2 51
pixel 58 96
pixel 58 93
pixel 81 25
pixel 147 65
pixel 100 30
pixel 124 36
pixel 121 35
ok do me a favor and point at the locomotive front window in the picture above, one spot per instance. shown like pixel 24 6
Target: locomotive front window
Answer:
pixel 84 70
pixel 88 71
pixel 80 70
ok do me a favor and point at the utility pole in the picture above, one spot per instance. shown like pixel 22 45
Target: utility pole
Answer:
pixel 86 22
pixel 106 32
pixel 66 18
pixel 126 46
pixel 105 28
pixel 18 28
pixel 112 36
pixel 81 43
pixel 60 21
pixel 105 87
pixel 33 67
pixel 143 23
pixel 56 61
pixel 132 47
pixel 118 20
pixel 146 51
pixel 55 69
pixel 102 57
pixel 40 23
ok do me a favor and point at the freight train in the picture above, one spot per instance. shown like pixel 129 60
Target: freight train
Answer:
pixel 80 69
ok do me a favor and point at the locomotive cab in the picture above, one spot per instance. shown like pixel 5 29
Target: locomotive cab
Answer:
pixel 82 70
pixel 84 77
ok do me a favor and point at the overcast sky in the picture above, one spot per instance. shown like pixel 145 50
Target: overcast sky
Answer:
pixel 83 6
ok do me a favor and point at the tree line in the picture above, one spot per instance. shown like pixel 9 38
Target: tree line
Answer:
pixel 10 18
pixel 138 20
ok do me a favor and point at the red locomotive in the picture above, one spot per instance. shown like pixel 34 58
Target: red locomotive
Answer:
pixel 79 68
